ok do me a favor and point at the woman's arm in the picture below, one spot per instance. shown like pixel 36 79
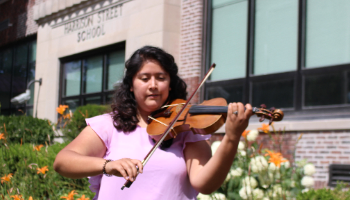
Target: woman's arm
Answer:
pixel 207 173
pixel 83 157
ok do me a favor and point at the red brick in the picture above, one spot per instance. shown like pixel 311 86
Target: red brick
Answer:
pixel 336 152
pixel 20 15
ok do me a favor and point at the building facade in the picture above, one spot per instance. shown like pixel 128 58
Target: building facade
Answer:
pixel 290 54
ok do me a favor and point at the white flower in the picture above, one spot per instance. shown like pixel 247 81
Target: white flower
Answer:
pixel 258 194
pixel 286 164
pixel 234 173
pixel 249 181
pixel 305 190
pixel 307 181
pixel 301 163
pixel 203 197
pixel 273 167
pixel 245 192
pixel 258 164
pixel 309 169
pixel 219 196
pixel 215 146
pixel 265 198
pixel 277 190
pixel 264 180
pixel 274 175
pixel 243 153
pixel 241 146
pixel 292 183
pixel 252 135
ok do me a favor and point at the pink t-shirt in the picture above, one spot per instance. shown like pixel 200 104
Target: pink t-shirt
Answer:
pixel 165 174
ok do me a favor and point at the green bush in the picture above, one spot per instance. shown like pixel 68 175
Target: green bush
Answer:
pixel 23 161
pixel 338 193
pixel 77 122
pixel 27 129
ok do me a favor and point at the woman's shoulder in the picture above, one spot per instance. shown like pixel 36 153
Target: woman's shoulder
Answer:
pixel 103 117
pixel 104 120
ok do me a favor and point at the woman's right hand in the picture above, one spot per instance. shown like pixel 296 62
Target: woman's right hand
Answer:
pixel 124 167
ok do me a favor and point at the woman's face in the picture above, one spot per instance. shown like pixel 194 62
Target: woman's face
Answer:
pixel 151 86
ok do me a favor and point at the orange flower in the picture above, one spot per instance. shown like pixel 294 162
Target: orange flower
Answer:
pixel 275 158
pixel 17 197
pixel 265 128
pixel 42 170
pixel 2 136
pixel 61 109
pixel 66 116
pixel 30 198
pixel 244 134
pixel 6 178
pixel 83 198
pixel 70 196
pixel 37 147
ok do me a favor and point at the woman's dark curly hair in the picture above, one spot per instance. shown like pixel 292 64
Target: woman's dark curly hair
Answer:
pixel 124 105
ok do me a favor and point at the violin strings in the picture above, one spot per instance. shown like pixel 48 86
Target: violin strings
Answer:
pixel 172 128
pixel 165 106
pixel 157 120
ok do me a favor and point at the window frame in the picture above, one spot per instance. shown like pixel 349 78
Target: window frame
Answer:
pixel 13 109
pixel 103 51
pixel 299 110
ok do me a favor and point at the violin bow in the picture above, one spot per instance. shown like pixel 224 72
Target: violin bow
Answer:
pixel 170 126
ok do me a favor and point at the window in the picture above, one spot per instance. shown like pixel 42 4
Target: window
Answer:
pixel 289 54
pixel 17 69
pixel 91 77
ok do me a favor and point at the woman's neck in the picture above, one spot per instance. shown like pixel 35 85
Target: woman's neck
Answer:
pixel 143 119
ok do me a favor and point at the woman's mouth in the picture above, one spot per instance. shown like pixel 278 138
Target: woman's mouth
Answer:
pixel 153 96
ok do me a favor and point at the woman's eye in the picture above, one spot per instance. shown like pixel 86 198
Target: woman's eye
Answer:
pixel 161 77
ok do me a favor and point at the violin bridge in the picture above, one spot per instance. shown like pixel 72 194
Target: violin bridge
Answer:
pixel 178 108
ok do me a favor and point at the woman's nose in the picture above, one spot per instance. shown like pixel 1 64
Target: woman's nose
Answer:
pixel 153 83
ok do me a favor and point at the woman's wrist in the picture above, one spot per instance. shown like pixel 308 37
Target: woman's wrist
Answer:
pixel 104 168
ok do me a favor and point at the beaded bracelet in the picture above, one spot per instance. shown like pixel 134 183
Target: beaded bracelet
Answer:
pixel 104 168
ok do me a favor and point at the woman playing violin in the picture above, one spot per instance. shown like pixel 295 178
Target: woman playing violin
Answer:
pixel 110 149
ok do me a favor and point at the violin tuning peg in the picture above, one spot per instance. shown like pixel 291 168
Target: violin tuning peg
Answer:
pixel 262 118
pixel 272 109
pixel 263 106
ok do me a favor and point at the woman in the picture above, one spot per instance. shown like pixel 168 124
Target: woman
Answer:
pixel 114 144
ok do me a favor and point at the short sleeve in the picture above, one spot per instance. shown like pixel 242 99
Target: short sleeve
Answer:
pixel 103 127
pixel 191 137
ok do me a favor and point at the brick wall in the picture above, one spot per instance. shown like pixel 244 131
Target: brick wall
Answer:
pixel 191 44
pixel 319 148
pixel 20 15
pixel 323 149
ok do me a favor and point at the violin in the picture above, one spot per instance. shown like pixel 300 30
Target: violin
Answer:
pixel 205 118
pixel 180 112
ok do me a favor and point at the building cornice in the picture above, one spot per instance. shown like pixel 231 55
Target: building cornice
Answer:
pixel 61 11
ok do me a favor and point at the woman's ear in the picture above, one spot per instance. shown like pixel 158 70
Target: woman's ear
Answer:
pixel 131 89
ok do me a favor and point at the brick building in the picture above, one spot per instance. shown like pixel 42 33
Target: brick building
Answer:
pixel 287 54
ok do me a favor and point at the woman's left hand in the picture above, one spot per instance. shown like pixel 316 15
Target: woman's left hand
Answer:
pixel 237 120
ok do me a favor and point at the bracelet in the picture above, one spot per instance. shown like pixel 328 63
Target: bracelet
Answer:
pixel 104 168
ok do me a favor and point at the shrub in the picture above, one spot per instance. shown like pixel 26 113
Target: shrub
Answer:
pixel 26 129
pixel 77 122
pixel 259 174
pixel 325 194
pixel 22 163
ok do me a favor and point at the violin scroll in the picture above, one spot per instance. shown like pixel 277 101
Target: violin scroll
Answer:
pixel 272 114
